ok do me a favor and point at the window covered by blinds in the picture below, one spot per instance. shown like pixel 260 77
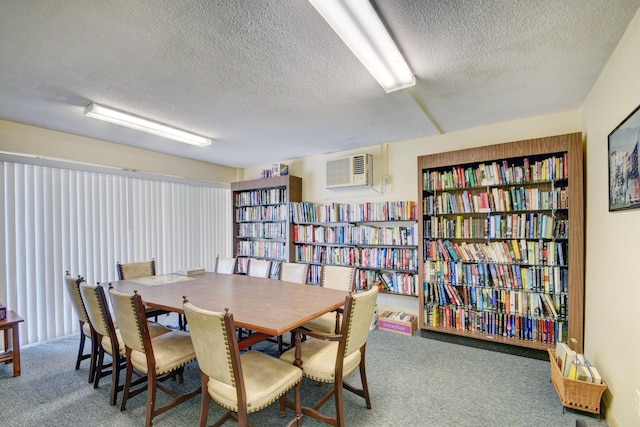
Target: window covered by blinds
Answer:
pixel 54 220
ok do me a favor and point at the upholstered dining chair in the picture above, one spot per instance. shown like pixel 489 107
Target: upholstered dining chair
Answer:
pixel 331 358
pixel 225 265
pixel 136 270
pixel 159 358
pixel 107 337
pixel 241 383
pixel 294 272
pixel 73 291
pixel 258 268
pixel 333 277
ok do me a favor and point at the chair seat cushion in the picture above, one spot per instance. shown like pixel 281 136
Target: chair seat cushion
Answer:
pixel 319 360
pixel 172 350
pixel 325 323
pixel 86 329
pixel 265 379
pixel 155 329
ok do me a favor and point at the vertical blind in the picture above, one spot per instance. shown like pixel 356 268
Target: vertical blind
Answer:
pixel 56 220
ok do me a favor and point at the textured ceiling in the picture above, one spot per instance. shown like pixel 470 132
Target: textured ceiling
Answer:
pixel 270 81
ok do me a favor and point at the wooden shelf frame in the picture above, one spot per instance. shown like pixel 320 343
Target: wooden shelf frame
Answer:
pixel 571 144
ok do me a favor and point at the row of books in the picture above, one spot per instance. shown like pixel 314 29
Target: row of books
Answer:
pixel 261 249
pixel 496 200
pixel 272 230
pixel 533 304
pixel 574 365
pixel 552 168
pixel 387 258
pixel 514 226
pixel 356 234
pixel 272 196
pixel 548 279
pixel 399 283
pixel 302 212
pixel 514 251
pixel 526 328
pixel 262 213
pixel 397 315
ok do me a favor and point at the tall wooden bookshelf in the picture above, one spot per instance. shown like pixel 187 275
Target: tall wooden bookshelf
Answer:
pixel 502 242
pixel 262 225
pixel 380 239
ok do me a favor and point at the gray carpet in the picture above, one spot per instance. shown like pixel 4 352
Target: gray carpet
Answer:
pixel 413 381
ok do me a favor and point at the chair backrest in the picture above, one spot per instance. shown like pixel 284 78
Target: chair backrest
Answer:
pixel 225 265
pixel 294 272
pixel 132 322
pixel 73 290
pixel 213 337
pixel 259 268
pixel 338 277
pixel 133 270
pixel 356 321
pixel 95 301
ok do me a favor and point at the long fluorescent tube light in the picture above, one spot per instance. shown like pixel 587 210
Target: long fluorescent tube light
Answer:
pixel 360 28
pixel 111 115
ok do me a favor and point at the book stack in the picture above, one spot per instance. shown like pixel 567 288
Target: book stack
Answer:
pixel 191 271
pixel 575 366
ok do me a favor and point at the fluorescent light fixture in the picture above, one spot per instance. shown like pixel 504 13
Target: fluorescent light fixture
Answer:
pixel 359 26
pixel 121 118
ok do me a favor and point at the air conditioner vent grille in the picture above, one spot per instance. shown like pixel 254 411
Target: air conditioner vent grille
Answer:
pixel 350 172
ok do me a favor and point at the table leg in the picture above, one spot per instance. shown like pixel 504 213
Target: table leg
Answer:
pixel 297 338
pixel 16 350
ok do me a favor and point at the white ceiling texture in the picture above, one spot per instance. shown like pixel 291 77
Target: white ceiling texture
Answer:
pixel 269 80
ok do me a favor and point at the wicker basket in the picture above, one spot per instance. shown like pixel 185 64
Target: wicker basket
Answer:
pixel 575 394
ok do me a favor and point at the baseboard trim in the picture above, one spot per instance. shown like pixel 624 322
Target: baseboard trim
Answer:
pixel 486 345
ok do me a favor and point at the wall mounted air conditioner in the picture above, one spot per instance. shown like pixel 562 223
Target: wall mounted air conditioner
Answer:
pixel 350 172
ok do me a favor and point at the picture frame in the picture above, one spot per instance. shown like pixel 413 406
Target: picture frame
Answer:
pixel 624 177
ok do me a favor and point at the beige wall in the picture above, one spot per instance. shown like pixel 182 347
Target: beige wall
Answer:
pixel 34 141
pixel 612 324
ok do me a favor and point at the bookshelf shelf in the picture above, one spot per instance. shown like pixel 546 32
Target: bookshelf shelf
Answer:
pixel 261 220
pixel 502 242
pixel 379 239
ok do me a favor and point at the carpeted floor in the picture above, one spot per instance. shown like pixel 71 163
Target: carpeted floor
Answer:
pixel 413 382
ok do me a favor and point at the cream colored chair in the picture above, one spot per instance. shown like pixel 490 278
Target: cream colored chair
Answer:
pixel 331 358
pixel 241 383
pixel 225 265
pixel 73 291
pixel 107 336
pixel 259 268
pixel 294 272
pixel 136 270
pixel 159 358
pixel 333 277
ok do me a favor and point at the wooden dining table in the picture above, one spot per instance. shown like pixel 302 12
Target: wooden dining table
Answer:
pixel 268 307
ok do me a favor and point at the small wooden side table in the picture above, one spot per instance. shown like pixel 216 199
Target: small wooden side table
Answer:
pixel 11 354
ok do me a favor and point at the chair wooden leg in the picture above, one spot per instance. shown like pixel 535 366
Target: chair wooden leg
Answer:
pixel 127 382
pixel 99 367
pixel 204 405
pixel 115 378
pixel 365 386
pixel 93 357
pixel 339 397
pixel 81 348
pixel 152 385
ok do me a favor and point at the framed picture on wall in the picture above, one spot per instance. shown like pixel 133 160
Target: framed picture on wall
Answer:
pixel 624 180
